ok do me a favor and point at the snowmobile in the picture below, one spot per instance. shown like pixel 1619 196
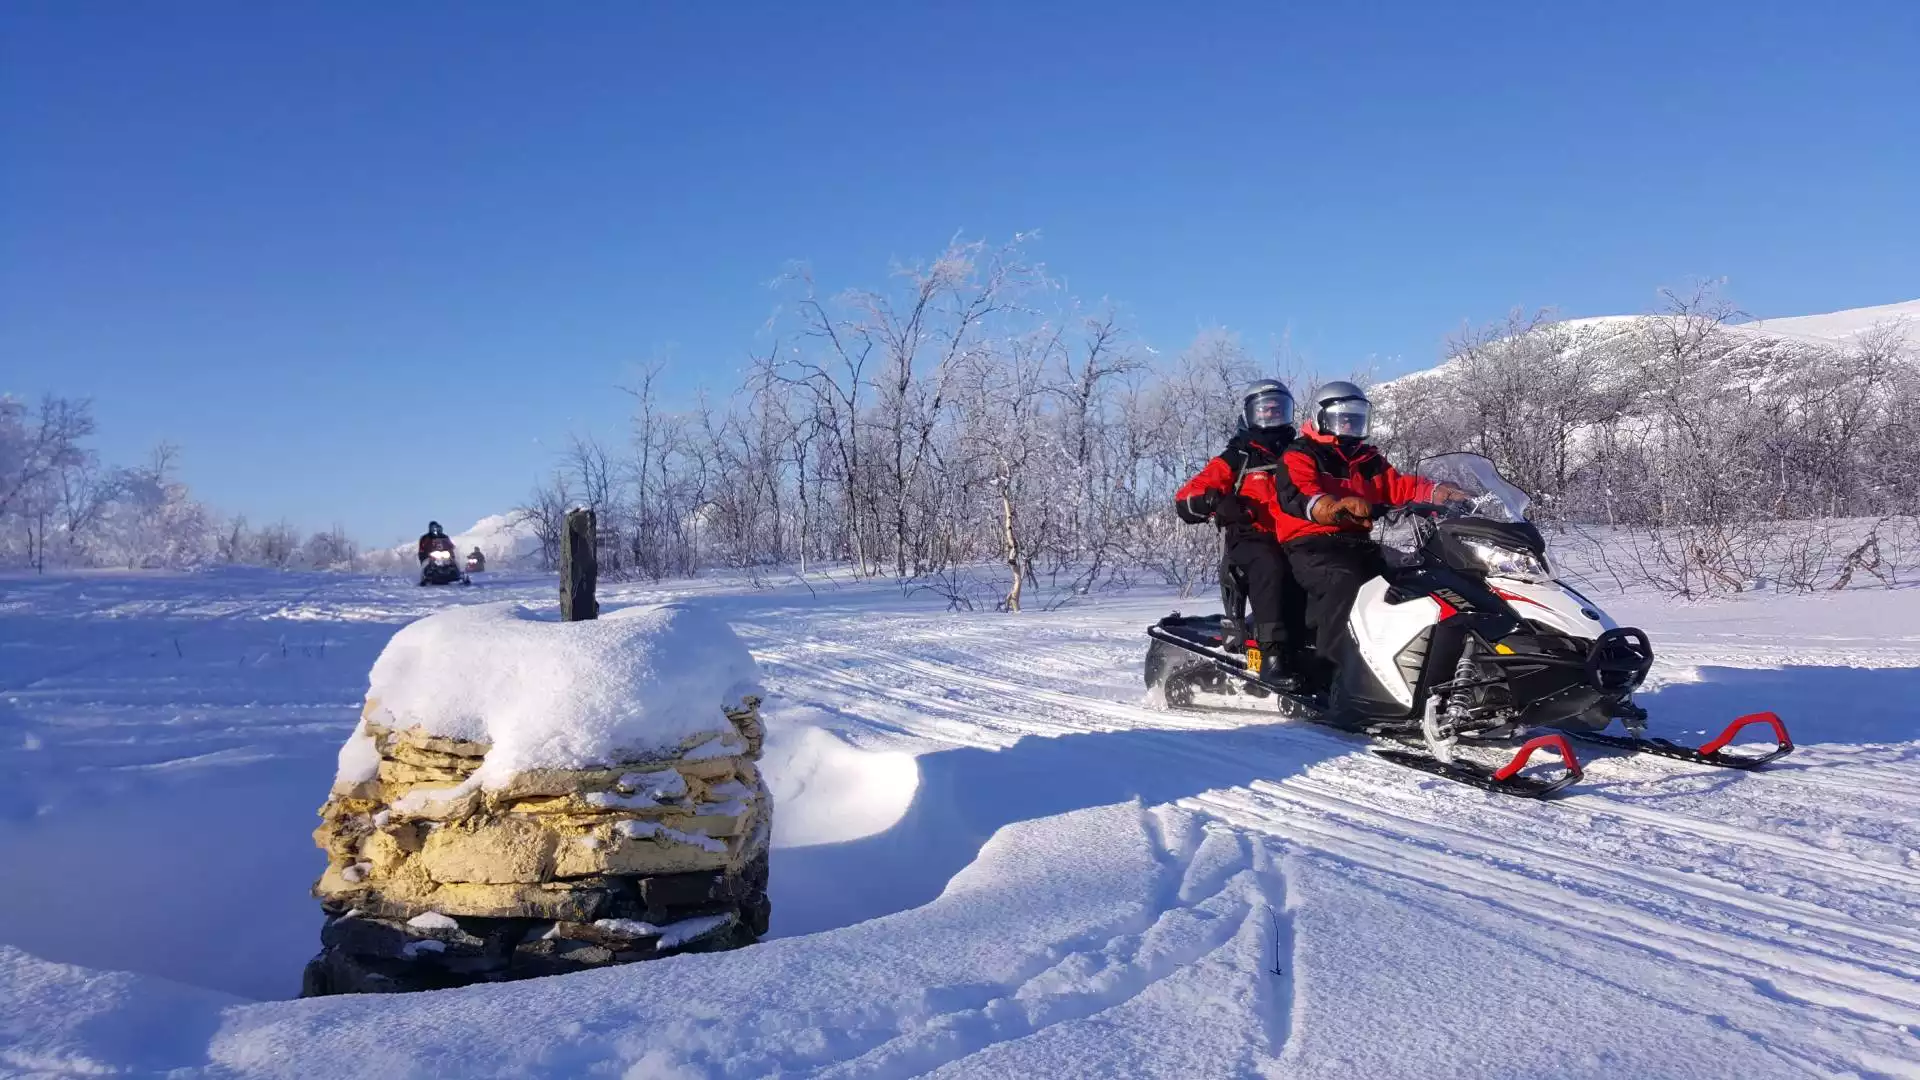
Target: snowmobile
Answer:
pixel 476 562
pixel 1467 639
pixel 439 568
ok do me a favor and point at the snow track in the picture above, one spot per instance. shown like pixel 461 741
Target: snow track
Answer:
pixel 1017 869
pixel 1759 879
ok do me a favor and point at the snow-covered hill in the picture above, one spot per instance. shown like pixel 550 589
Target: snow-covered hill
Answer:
pixel 991 860
pixel 1767 344
pixel 1842 326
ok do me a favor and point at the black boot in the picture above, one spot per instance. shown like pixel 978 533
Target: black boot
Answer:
pixel 1314 676
pixel 1275 673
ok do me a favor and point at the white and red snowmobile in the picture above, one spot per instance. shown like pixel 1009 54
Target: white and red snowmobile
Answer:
pixel 1467 640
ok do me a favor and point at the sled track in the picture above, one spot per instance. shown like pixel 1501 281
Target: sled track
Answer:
pixel 1794 988
pixel 1800 923
pixel 1647 900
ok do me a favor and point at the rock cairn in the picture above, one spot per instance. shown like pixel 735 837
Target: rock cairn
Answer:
pixel 436 880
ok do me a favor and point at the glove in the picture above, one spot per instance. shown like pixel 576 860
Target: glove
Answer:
pixel 1447 493
pixel 1233 510
pixel 1330 511
pixel 1195 509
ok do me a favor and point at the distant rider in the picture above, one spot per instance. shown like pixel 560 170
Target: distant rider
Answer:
pixel 1237 491
pixel 1330 484
pixel 434 539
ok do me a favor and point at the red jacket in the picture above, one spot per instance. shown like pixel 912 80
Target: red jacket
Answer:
pixel 1316 467
pixel 1251 468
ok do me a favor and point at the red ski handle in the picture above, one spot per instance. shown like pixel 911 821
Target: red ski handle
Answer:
pixel 1556 742
pixel 1779 732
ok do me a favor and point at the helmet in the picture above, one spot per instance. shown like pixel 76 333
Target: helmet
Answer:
pixel 434 529
pixel 1266 407
pixel 1340 409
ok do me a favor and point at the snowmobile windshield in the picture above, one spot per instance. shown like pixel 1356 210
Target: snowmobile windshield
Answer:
pixel 1488 494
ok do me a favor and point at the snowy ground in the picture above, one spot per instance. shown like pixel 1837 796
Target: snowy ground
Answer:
pixel 992 860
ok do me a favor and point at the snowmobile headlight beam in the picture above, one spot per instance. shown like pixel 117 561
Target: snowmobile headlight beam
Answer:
pixel 1498 560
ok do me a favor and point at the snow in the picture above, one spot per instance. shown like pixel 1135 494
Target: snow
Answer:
pixel 607 800
pixel 670 935
pixel 430 802
pixel 660 785
pixel 1838 326
pixel 433 920
pixel 990 860
pixel 653 830
pixel 1831 328
pixel 359 759
pixel 637 682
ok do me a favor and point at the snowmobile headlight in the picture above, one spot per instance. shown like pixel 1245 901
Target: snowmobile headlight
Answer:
pixel 1498 560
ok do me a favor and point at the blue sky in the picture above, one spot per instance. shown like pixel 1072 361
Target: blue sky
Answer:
pixel 315 243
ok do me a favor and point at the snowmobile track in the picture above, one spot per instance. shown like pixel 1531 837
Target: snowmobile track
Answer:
pixel 1633 906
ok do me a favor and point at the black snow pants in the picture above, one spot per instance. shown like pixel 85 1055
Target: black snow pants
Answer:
pixel 1331 568
pixel 1274 599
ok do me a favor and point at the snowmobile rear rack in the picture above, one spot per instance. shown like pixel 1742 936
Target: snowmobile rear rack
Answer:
pixel 1711 752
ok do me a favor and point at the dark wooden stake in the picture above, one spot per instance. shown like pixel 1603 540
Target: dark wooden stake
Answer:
pixel 579 568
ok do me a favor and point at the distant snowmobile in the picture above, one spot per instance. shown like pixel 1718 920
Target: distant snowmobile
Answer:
pixel 476 561
pixel 439 568
pixel 1468 639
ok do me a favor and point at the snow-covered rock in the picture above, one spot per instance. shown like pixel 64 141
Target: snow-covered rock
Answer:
pixel 522 795
pixel 638 684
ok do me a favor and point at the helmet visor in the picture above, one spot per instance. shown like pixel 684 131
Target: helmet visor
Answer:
pixel 1347 419
pixel 1269 409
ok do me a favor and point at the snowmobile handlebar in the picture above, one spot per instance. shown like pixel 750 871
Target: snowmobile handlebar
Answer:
pixel 1389 513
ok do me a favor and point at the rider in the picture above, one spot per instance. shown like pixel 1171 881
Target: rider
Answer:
pixel 434 539
pixel 1237 490
pixel 1331 481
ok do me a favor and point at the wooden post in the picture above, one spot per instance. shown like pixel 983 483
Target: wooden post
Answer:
pixel 579 568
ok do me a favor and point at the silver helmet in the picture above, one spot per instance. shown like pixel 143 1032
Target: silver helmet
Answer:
pixel 1341 409
pixel 1266 406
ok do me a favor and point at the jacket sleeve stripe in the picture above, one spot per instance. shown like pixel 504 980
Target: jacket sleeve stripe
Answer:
pixel 1298 484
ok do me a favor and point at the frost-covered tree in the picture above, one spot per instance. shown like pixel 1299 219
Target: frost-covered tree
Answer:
pixel 967 420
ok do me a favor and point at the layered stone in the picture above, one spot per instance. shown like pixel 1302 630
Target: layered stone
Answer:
pixel 434 879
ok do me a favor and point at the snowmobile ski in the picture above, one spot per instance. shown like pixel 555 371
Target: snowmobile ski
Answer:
pixel 1505 780
pixel 1411 753
pixel 1711 753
